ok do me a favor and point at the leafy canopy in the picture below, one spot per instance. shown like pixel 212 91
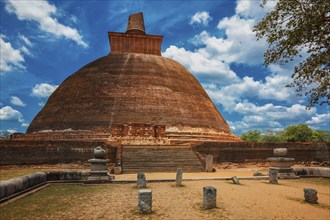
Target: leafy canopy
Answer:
pixel 294 133
pixel 295 28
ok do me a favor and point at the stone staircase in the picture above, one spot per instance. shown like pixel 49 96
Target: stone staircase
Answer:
pixel 155 158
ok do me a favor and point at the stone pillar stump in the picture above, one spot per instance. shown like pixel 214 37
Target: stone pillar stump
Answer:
pixel 273 177
pixel 310 195
pixel 145 201
pixel 141 181
pixel 209 197
pixel 178 179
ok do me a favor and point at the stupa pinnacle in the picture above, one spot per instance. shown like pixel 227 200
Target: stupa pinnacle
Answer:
pixel 132 95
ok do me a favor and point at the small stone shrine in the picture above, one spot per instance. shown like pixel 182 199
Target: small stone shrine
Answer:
pixel 99 171
pixel 282 164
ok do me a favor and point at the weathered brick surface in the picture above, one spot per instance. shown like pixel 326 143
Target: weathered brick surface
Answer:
pixel 50 152
pixel 132 89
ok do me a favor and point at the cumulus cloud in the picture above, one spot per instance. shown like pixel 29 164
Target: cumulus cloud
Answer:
pixel 17 101
pixel 43 90
pixel 202 17
pixel 269 116
pixel 252 9
pixel 199 64
pixel 44 14
pixel 7 113
pixel 320 120
pixel 10 58
pixel 272 88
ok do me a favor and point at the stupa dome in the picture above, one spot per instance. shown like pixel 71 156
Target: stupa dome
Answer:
pixel 133 91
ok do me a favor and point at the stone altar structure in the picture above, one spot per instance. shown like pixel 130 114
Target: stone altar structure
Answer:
pixel 282 164
pixel 99 171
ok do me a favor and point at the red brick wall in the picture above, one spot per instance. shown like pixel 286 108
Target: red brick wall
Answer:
pixel 50 152
pixel 245 151
pixel 129 43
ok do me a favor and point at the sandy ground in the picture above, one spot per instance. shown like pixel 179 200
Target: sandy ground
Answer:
pixel 252 199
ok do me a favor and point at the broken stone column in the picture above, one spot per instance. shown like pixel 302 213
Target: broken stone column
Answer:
pixel 141 181
pixel 273 177
pixel 144 201
pixel 209 163
pixel 310 195
pixel 178 179
pixel 209 197
pixel 235 180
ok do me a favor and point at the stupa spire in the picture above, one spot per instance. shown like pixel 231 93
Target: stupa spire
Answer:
pixel 135 24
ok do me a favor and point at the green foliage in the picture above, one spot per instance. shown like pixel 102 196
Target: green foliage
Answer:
pixel 299 27
pixel 252 136
pixel 299 133
pixel 294 133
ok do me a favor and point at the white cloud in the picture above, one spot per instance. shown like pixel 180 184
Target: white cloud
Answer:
pixel 252 9
pixel 269 116
pixel 196 62
pixel 25 125
pixel 272 88
pixel 202 17
pixel 243 45
pixel 320 120
pixel 41 104
pixel 25 40
pixel 17 101
pixel 10 58
pixel 26 51
pixel 43 90
pixel 11 131
pixel 45 15
pixel 7 113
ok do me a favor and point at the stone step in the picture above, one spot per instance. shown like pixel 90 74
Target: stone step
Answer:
pixel 151 158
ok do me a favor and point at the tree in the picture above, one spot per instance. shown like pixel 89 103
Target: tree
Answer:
pixel 299 133
pixel 296 27
pixel 252 136
pixel 270 136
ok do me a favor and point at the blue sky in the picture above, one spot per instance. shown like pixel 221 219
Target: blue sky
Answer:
pixel 44 42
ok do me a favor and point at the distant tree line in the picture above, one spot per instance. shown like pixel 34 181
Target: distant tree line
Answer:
pixel 294 133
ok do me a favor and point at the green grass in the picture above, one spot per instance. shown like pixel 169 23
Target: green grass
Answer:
pixel 55 198
pixel 9 174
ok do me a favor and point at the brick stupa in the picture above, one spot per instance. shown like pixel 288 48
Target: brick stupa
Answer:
pixel 131 96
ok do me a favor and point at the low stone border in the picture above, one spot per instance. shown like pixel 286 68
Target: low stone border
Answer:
pixel 17 186
pixel 312 171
